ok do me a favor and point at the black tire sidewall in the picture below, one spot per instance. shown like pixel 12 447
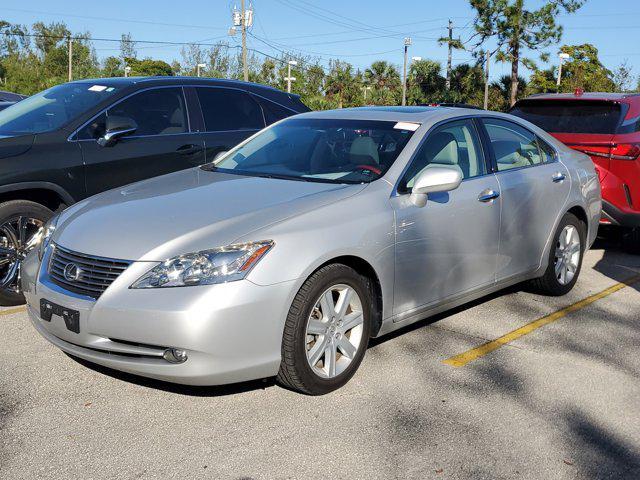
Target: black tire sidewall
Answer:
pixel 11 209
pixel 345 275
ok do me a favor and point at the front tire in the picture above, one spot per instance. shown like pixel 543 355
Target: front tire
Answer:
pixel 565 258
pixel 20 220
pixel 327 330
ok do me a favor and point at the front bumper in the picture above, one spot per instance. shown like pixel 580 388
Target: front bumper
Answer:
pixel 231 332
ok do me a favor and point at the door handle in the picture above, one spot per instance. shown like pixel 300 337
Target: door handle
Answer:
pixel 488 195
pixel 558 177
pixel 189 149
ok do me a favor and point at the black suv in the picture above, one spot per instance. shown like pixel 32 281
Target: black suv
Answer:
pixel 81 138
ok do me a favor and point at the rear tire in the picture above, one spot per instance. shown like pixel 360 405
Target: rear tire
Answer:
pixel 327 330
pixel 12 214
pixel 565 252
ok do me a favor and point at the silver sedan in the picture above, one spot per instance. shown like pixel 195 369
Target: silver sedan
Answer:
pixel 284 256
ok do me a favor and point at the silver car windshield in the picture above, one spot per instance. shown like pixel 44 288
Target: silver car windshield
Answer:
pixel 52 108
pixel 320 150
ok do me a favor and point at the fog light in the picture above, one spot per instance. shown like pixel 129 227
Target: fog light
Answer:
pixel 175 355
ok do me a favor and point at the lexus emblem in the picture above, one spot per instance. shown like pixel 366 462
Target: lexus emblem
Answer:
pixel 72 272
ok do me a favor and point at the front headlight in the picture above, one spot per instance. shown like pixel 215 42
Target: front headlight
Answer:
pixel 219 265
pixel 43 237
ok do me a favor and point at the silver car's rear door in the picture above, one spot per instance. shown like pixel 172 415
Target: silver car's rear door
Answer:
pixel 534 188
pixel 449 246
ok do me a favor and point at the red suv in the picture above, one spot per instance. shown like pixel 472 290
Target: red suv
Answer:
pixel 605 126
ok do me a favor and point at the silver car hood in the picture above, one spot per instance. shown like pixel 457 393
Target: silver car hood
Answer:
pixel 185 212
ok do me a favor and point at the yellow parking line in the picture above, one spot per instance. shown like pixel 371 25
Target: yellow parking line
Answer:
pixel 470 355
pixel 9 311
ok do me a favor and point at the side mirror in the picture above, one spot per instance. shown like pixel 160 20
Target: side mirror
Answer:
pixel 116 127
pixel 432 180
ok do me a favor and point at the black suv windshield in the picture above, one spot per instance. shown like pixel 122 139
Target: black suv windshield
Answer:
pixel 52 108
pixel 320 150
pixel 570 116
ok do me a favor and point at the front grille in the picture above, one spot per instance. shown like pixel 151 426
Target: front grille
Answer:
pixel 94 276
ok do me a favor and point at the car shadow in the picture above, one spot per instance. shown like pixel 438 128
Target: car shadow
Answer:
pixel 187 390
pixel 617 262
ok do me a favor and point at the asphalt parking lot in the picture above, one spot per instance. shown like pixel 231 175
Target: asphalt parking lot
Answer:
pixel 560 401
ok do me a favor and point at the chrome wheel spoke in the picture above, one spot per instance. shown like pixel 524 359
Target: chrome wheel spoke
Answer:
pixel 352 320
pixel 316 327
pixel 337 311
pixel 567 254
pixel 346 347
pixel 315 354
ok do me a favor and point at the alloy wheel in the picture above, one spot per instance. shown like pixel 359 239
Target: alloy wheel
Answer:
pixel 567 255
pixel 17 238
pixel 334 331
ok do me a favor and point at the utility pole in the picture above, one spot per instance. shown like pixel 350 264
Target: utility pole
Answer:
pixel 289 78
pixel 245 68
pixel 450 45
pixel 486 80
pixel 70 58
pixel 407 42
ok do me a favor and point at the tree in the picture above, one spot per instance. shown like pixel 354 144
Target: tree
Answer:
pixel 384 80
pixel 112 67
pixel 583 70
pixel 149 67
pixel 623 77
pixel 425 83
pixel 515 28
pixel 127 47
pixel 342 85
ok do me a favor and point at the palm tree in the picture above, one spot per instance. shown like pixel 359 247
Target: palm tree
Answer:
pixel 384 80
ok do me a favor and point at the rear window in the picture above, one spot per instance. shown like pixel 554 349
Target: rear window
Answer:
pixel 573 116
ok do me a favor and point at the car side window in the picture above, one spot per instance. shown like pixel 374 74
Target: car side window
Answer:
pixel 547 152
pixel 513 145
pixel 453 145
pixel 159 111
pixel 228 109
pixel 274 112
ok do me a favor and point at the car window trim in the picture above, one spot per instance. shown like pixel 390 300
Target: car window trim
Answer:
pixel 157 87
pixel 249 94
pixel 493 155
pixel 396 188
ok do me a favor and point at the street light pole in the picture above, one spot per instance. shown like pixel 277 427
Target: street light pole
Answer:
pixel 563 56
pixel 486 81
pixel 289 78
pixel 407 42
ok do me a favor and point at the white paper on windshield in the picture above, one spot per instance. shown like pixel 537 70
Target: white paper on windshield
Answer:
pixel 406 126
pixel 97 88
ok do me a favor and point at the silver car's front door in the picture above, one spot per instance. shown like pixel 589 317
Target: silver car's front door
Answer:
pixel 449 246
pixel 534 187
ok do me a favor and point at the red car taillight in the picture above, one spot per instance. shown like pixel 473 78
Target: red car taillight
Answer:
pixel 625 151
pixel 616 151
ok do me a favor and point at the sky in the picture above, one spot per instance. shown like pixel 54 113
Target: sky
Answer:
pixel 352 30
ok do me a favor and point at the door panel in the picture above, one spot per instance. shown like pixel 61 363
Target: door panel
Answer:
pixel 138 158
pixel 532 195
pixel 450 245
pixel 161 144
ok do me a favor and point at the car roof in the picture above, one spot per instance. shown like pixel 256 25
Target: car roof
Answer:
pixel 179 80
pixel 607 96
pixel 393 113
